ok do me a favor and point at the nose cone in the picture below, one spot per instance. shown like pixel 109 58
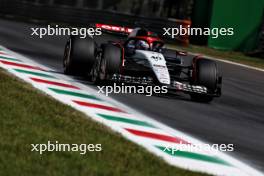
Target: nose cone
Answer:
pixel 158 65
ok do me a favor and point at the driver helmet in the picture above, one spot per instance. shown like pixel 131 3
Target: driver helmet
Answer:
pixel 143 45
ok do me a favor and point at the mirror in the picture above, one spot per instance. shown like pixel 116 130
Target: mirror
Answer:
pixel 181 53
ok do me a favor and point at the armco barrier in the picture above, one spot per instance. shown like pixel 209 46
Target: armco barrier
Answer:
pixel 84 16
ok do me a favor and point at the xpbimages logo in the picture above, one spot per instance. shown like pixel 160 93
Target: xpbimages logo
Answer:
pixel 213 148
pixel 131 89
pixel 191 31
pixel 58 147
pixel 62 31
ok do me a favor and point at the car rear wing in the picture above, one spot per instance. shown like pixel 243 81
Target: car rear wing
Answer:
pixel 119 29
pixel 114 29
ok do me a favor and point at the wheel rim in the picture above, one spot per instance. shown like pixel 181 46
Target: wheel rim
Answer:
pixel 66 59
pixel 94 73
pixel 95 70
pixel 102 72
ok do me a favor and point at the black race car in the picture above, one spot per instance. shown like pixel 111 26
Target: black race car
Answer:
pixel 141 58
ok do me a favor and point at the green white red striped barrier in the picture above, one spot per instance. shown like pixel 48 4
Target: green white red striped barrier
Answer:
pixel 150 134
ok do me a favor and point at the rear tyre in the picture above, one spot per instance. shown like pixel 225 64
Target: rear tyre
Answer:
pixel 79 55
pixel 206 75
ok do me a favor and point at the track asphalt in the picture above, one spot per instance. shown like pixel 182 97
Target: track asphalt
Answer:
pixel 237 117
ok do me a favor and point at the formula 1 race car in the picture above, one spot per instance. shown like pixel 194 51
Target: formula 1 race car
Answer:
pixel 142 59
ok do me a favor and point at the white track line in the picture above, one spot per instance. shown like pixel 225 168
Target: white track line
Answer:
pixel 225 61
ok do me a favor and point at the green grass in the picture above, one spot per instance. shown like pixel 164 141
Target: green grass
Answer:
pixel 27 116
pixel 237 57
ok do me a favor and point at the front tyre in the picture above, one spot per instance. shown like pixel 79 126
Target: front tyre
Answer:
pixel 206 74
pixel 108 63
pixel 112 57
